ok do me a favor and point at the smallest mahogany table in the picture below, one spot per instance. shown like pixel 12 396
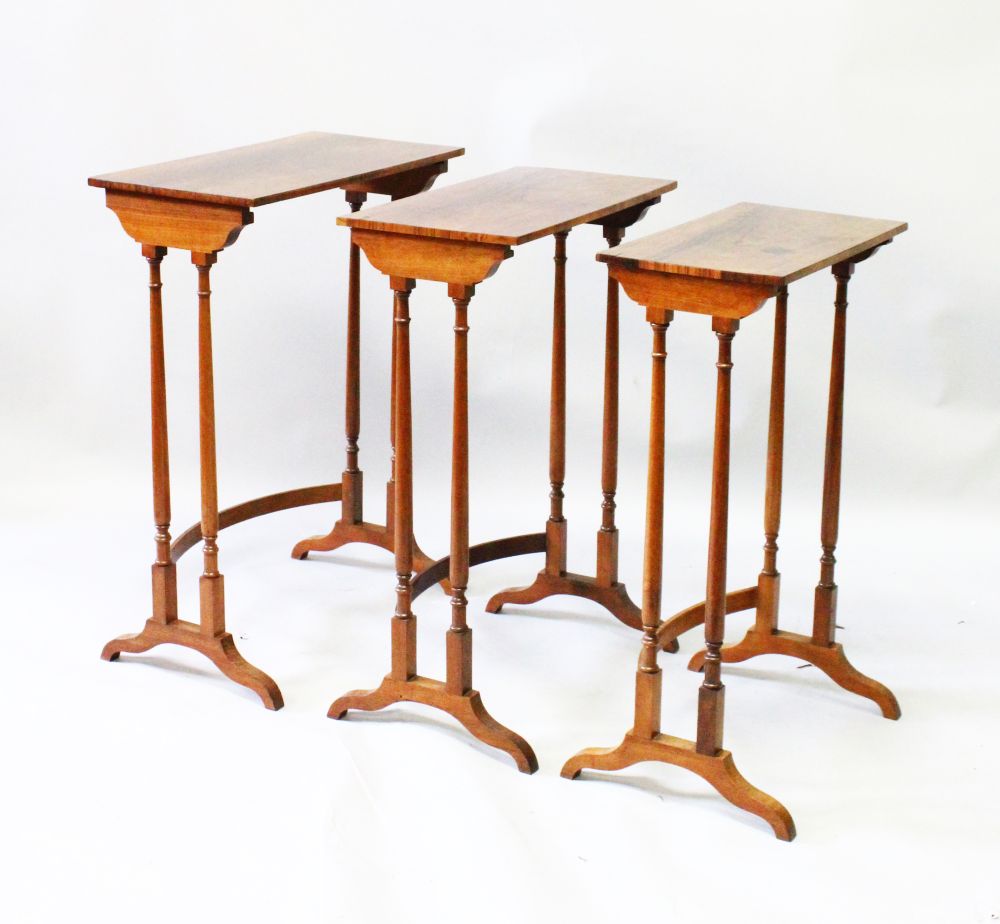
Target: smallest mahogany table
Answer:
pixel 727 265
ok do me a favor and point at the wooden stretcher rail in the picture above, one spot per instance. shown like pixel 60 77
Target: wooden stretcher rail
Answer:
pixel 272 503
pixel 494 550
pixel 687 619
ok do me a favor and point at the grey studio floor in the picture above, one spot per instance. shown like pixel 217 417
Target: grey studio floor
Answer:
pixel 155 783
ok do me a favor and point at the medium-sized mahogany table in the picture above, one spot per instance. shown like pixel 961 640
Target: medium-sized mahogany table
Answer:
pixel 459 236
pixel 201 204
pixel 727 265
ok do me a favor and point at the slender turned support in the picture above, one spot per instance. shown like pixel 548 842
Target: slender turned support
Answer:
pixel 764 597
pixel 607 535
pixel 351 527
pixel 555 555
pixel 455 695
pixel 603 587
pixel 352 481
pixel 644 741
pixel 825 611
pixel 390 485
pixel 459 647
pixel 164 570
pixel 764 637
pixel 404 623
pixel 769 580
pixel 209 635
pixel 211 587
pixel 711 696
pixel 649 678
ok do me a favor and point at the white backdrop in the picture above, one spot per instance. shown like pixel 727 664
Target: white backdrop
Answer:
pixel 121 773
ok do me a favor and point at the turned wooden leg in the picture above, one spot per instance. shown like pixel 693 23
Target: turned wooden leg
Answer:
pixel 711 696
pixel 420 559
pixel 209 636
pixel 352 481
pixel 550 579
pixel 211 586
pixel 351 527
pixel 604 587
pixel 607 535
pixel 404 623
pixel 825 608
pixel 769 579
pixel 455 695
pixel 821 648
pixel 649 678
pixel 390 485
pixel 555 528
pixel 645 742
pixel 459 640
pixel 764 597
pixel 164 570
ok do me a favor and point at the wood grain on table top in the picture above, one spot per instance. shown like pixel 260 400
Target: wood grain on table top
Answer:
pixel 275 170
pixel 511 207
pixel 755 243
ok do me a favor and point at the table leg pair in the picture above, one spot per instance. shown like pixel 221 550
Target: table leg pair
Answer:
pixel 705 755
pixel 209 636
pixel 821 648
pixel 352 526
pixel 554 578
pixel 455 695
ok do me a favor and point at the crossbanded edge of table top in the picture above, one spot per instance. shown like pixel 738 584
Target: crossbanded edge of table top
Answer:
pixel 511 207
pixel 272 171
pixel 753 243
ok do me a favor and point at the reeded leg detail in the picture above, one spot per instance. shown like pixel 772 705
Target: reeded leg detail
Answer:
pixel 455 695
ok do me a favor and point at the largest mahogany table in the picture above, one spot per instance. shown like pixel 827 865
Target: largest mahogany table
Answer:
pixel 201 204
pixel 459 236
pixel 727 265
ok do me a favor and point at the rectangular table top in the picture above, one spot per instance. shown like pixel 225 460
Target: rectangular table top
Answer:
pixel 511 207
pixel 275 170
pixel 755 243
